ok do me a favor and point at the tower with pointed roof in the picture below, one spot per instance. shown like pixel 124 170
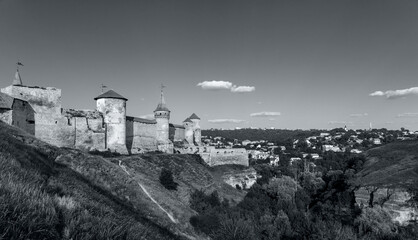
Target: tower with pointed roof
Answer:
pixel 113 107
pixel 197 135
pixel 162 116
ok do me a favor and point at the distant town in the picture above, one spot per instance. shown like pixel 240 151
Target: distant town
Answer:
pixel 305 144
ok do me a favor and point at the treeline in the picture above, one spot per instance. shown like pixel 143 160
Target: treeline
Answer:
pixel 271 135
pixel 288 202
pixel 283 136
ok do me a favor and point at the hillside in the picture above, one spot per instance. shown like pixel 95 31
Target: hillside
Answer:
pixel 393 165
pixel 54 193
pixel 387 174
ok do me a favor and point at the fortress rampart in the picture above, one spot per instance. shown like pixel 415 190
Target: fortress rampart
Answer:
pixel 38 111
pixel 218 156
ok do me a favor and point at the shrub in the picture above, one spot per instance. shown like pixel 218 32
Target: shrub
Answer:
pixel 166 179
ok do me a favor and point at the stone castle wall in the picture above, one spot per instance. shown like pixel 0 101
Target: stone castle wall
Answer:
pixel 237 156
pixel 140 136
pixel 76 129
pixel 215 156
pixel 23 116
pixel 176 133
pixel 108 128
pixel 46 105
pixel 46 102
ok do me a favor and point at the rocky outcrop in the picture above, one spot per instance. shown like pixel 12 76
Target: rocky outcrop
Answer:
pixel 394 200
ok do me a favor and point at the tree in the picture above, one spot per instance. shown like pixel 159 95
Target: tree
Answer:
pixel 166 179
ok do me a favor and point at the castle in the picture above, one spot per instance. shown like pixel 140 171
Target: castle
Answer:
pixel 38 111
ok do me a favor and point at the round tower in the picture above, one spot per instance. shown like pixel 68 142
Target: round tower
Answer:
pixel 196 129
pixel 113 107
pixel 162 116
pixel 188 130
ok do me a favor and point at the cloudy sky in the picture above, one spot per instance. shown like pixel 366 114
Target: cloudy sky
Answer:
pixel 283 63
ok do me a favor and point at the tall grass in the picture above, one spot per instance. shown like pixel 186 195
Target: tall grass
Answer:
pixel 40 199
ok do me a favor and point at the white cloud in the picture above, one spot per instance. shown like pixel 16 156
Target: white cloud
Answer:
pixel 265 114
pixel 393 94
pixel 215 85
pixel 226 121
pixel 410 115
pixel 242 89
pixel 148 116
pixel 225 85
pixel 356 115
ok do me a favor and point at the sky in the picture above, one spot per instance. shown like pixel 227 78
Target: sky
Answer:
pixel 285 64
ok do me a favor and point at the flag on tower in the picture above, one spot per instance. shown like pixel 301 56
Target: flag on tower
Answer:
pixel 20 64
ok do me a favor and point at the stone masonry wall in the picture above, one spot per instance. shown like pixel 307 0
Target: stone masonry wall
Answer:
pixel 140 137
pixel 237 156
pixel 75 132
pixel 23 116
pixel 215 156
pixel 114 113
pixel 46 102
pixel 176 133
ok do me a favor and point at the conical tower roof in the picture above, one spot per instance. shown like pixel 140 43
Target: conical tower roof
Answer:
pixel 187 120
pixel 17 80
pixel 162 106
pixel 194 116
pixel 111 94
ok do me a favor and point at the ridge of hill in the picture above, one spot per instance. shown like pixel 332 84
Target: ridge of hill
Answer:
pixel 391 165
pixel 57 193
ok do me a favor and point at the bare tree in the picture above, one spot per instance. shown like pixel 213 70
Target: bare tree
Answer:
pixel 371 190
pixel 384 199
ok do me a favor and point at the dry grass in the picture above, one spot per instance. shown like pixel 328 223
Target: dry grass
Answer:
pixel 43 199
pixel 393 165
pixel 52 193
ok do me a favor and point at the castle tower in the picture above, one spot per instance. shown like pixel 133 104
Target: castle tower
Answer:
pixel 113 107
pixel 196 129
pixel 162 116
pixel 188 130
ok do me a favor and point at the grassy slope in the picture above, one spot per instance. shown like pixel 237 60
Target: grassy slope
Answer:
pixel 394 165
pixel 81 196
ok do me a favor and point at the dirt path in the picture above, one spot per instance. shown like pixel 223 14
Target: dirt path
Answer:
pixel 148 195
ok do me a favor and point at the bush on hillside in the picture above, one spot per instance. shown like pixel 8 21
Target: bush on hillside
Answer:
pixel 166 179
